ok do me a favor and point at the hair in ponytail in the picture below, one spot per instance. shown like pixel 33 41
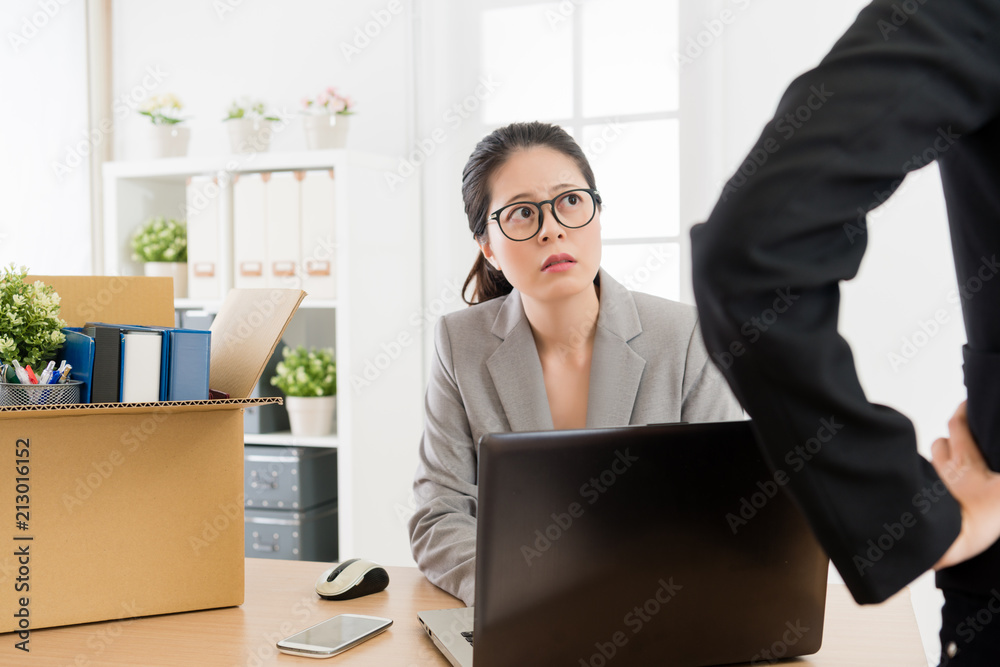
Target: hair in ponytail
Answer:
pixel 490 154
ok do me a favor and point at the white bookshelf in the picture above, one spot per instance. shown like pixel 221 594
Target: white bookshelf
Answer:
pixel 377 264
pixel 286 439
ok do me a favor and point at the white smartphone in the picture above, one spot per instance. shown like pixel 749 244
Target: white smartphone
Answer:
pixel 334 635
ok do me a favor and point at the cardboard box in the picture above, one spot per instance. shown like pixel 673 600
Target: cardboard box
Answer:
pixel 121 510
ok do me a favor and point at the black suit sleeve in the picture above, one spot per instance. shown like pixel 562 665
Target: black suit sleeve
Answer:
pixel 903 87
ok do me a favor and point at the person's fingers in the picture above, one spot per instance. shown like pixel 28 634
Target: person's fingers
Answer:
pixel 941 455
pixel 964 450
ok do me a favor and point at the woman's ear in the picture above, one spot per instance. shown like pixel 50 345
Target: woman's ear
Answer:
pixel 488 254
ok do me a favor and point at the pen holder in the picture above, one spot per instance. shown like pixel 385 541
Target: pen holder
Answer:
pixel 39 394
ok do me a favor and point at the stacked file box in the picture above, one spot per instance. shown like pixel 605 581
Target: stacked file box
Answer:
pixel 291 502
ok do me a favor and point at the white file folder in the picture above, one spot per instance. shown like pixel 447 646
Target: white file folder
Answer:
pixel 319 235
pixel 283 230
pixel 250 231
pixel 204 268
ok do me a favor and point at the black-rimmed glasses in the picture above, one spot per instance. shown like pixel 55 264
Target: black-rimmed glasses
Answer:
pixel 522 220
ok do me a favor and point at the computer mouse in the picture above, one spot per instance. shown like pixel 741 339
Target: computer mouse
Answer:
pixel 352 579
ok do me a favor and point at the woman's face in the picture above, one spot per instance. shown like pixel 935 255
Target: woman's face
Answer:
pixel 538 174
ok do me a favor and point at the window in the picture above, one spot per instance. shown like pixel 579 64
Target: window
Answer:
pixel 605 71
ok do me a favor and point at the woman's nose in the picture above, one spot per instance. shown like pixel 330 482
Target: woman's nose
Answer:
pixel 550 226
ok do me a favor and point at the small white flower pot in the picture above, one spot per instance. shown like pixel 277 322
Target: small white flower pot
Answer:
pixel 249 135
pixel 170 140
pixel 310 416
pixel 326 130
pixel 176 270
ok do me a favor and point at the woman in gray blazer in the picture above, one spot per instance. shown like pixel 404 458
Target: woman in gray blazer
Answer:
pixel 551 340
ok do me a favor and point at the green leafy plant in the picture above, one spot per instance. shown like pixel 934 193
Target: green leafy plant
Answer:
pixel 162 109
pixel 245 108
pixel 306 373
pixel 160 239
pixel 30 327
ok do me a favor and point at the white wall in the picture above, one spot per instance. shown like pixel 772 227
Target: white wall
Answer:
pixel 44 173
pixel 209 53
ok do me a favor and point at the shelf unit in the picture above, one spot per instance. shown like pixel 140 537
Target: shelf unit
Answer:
pixel 377 263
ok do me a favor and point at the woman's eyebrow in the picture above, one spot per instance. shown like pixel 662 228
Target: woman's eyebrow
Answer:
pixel 528 194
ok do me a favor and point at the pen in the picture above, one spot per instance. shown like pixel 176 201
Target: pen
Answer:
pixel 22 377
pixel 31 375
pixel 65 374
pixel 47 373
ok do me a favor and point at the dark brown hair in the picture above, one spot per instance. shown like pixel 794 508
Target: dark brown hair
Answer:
pixel 490 154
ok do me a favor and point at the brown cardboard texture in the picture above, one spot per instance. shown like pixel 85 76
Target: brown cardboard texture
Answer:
pixel 118 299
pixel 124 510
pixel 245 333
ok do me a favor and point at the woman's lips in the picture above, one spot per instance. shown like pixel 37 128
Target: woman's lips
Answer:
pixel 562 265
pixel 561 262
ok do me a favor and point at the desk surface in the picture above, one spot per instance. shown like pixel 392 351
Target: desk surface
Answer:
pixel 280 600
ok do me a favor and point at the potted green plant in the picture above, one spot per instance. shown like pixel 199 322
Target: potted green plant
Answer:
pixel 249 125
pixel 30 330
pixel 161 245
pixel 309 380
pixel 170 139
pixel 326 118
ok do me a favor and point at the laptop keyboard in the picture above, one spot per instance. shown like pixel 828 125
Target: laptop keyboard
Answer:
pixel 468 636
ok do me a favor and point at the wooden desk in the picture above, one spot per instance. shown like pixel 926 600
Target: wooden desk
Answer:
pixel 281 600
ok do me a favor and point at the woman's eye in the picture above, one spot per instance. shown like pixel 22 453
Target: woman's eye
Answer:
pixel 569 201
pixel 520 214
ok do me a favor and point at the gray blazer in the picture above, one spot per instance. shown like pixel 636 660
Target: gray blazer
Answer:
pixel 649 366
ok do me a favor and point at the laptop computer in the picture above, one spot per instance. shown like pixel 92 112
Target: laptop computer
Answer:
pixel 641 545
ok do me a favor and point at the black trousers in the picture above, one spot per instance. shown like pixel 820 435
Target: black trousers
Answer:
pixel 911 82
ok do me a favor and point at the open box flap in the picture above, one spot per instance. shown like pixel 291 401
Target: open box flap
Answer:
pixel 244 334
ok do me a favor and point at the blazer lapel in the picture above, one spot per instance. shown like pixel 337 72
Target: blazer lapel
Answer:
pixel 517 371
pixel 616 369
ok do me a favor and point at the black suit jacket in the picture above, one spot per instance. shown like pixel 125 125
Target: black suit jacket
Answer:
pixel 911 82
